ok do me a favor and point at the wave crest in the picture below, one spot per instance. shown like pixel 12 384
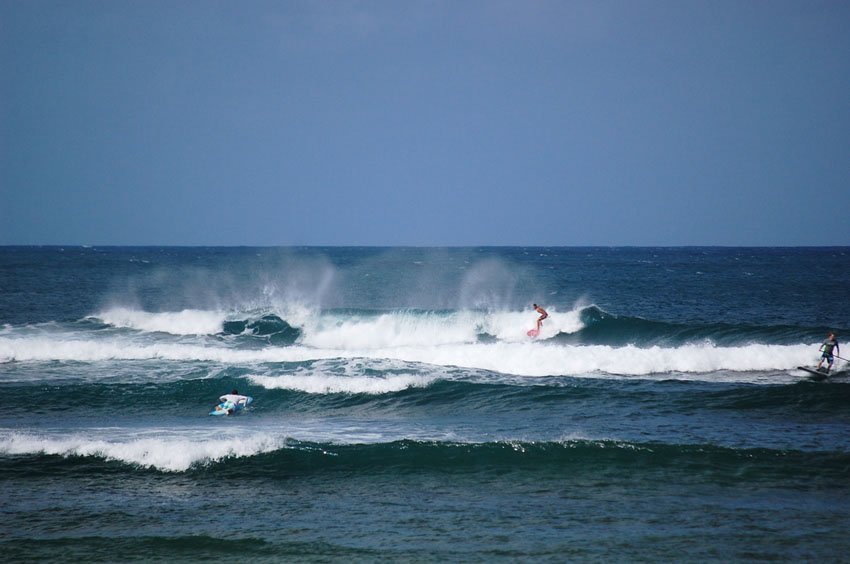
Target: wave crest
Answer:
pixel 186 322
pixel 167 453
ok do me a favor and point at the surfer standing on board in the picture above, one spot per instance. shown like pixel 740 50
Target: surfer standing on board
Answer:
pixel 543 315
pixel 827 348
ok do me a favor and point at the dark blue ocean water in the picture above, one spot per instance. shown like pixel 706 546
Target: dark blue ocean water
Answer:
pixel 402 413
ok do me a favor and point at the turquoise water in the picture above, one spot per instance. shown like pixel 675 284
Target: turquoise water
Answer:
pixel 401 412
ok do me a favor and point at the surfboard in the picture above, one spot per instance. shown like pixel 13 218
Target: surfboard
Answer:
pixel 815 374
pixel 226 408
pixel 533 332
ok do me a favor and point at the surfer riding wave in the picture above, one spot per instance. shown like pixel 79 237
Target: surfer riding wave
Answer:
pixel 543 315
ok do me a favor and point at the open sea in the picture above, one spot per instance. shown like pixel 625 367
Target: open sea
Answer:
pixel 401 413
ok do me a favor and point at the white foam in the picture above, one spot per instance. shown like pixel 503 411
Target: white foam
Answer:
pixel 389 330
pixel 329 384
pixel 46 349
pixel 186 322
pixel 553 360
pixel 528 358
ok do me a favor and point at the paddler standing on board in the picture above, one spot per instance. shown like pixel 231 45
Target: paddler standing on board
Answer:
pixel 830 344
pixel 543 315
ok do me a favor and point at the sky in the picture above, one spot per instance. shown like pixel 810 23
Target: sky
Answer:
pixel 425 123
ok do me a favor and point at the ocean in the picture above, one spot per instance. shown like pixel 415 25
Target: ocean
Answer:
pixel 401 412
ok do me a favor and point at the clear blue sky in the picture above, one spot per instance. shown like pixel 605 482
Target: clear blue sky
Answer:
pixel 633 122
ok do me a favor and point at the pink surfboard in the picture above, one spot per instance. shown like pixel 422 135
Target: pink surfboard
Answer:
pixel 533 332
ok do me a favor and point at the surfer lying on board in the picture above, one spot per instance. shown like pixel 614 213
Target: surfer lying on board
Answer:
pixel 830 344
pixel 230 401
pixel 543 315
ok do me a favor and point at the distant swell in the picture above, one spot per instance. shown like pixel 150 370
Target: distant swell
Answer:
pixel 600 327
pixel 265 455
pixel 317 393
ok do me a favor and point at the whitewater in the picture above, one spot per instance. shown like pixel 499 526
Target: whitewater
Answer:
pixel 426 338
